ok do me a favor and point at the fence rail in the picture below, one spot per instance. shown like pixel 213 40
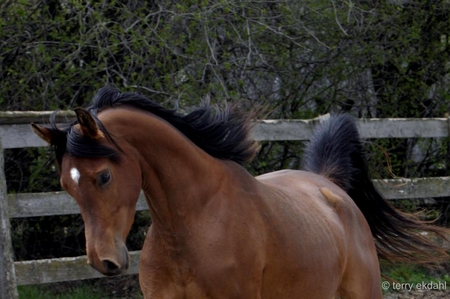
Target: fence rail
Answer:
pixel 15 133
pixel 19 135
pixel 24 205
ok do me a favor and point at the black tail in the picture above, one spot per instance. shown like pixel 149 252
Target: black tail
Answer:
pixel 336 152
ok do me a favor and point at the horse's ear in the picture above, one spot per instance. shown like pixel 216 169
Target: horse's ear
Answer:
pixel 88 125
pixel 44 133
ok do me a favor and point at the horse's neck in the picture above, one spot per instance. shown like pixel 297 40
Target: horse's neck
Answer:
pixel 178 183
pixel 178 177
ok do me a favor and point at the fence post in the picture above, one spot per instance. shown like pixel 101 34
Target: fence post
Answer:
pixel 8 287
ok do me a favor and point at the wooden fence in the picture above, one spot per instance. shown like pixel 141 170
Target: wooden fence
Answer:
pixel 15 132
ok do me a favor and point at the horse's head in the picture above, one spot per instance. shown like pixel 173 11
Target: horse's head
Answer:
pixel 104 178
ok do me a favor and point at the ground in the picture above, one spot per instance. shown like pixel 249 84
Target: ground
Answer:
pixel 122 287
pixel 127 287
pixel 418 294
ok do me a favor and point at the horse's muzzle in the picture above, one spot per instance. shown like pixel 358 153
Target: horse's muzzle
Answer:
pixel 112 267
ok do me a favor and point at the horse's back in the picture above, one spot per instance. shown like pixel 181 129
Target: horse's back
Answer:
pixel 308 193
pixel 306 190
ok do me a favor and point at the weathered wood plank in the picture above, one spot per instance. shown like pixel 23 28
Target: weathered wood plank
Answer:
pixel 41 204
pixel 27 117
pixel 280 130
pixel 404 127
pixel 283 130
pixel 20 135
pixel 64 269
pixel 24 205
pixel 60 203
pixel 8 288
pixel 15 126
pixel 414 188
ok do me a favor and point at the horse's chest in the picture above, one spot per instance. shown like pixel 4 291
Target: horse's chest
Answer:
pixel 198 271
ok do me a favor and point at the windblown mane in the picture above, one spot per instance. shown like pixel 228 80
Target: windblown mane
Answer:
pixel 222 133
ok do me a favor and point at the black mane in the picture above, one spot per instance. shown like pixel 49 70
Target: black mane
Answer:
pixel 224 134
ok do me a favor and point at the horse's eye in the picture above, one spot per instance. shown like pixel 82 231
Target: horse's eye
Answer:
pixel 104 178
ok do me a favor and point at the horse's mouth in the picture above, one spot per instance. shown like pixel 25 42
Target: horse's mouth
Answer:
pixel 111 269
pixel 127 259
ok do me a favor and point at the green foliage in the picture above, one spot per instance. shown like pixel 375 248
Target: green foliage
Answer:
pixel 63 236
pixel 302 58
pixel 38 292
pixel 48 237
pixel 277 155
pixel 30 170
pixel 409 58
pixel 414 274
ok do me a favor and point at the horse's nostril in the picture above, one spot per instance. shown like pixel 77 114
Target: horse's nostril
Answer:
pixel 110 266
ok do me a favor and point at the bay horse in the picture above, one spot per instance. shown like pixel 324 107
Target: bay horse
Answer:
pixel 217 231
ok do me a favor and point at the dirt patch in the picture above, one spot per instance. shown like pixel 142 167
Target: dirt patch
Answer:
pixel 418 294
pixel 122 287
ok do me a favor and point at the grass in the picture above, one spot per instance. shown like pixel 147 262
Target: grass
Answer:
pixel 413 274
pixel 41 292
pixel 120 287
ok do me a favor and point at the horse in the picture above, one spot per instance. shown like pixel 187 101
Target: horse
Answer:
pixel 217 231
